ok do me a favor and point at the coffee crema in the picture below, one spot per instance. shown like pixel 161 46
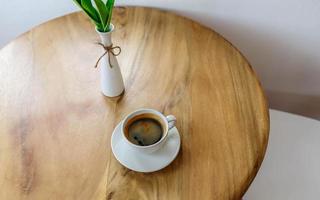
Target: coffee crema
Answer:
pixel 143 130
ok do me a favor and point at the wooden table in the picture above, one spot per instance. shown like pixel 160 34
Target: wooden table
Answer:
pixel 55 125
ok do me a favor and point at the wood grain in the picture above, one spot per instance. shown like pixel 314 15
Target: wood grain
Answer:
pixel 55 125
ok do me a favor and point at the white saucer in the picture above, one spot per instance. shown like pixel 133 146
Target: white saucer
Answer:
pixel 145 162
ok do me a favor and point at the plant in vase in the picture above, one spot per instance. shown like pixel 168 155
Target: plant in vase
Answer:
pixel 100 13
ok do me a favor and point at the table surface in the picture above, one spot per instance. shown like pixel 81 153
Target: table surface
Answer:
pixel 55 125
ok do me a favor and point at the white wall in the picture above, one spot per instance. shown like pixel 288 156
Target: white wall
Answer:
pixel 280 38
pixel 290 169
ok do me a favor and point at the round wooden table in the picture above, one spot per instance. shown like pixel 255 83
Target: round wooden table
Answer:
pixel 55 125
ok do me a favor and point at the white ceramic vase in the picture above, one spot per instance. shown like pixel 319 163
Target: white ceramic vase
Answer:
pixel 111 81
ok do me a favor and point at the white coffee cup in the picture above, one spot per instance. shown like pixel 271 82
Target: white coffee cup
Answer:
pixel 167 123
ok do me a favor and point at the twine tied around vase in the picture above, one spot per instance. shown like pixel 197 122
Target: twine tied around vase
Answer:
pixel 108 49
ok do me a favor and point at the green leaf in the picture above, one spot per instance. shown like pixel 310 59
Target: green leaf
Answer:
pixel 109 4
pixel 99 27
pixel 92 12
pixel 103 13
pixel 95 20
pixel 78 2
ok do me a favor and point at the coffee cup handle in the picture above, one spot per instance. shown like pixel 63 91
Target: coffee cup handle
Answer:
pixel 171 121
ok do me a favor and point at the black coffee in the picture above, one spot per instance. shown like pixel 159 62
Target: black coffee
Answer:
pixel 144 131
